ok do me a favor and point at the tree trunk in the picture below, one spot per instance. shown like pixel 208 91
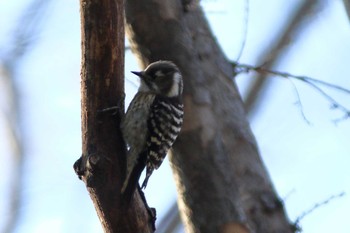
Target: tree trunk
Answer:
pixel 101 166
pixel 222 183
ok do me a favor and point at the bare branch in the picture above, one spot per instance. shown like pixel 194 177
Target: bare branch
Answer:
pixel 318 205
pixel 201 160
pixel 310 81
pixel 261 69
pixel 245 31
pixel 275 50
pixel 14 137
pixel 299 103
pixel 102 164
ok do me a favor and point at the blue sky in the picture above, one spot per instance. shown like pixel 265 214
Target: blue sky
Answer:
pixel 307 163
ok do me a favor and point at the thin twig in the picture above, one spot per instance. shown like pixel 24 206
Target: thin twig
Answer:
pixel 334 103
pixel 286 197
pixel 317 205
pixel 310 81
pixel 261 69
pixel 296 22
pixel 299 103
pixel 245 30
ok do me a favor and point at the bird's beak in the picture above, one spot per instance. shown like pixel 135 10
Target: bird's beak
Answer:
pixel 138 73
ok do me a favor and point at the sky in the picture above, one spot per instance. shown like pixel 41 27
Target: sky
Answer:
pixel 308 163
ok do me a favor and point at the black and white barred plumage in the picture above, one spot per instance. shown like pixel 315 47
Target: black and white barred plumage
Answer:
pixel 152 121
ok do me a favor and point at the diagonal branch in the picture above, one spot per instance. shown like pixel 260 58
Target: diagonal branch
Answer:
pixel 275 50
pixel 14 134
pixel 316 206
pixel 221 182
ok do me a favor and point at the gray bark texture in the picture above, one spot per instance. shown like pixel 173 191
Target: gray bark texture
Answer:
pixel 222 183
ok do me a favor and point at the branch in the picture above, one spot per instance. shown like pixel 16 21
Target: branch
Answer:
pixel 102 164
pixel 215 137
pixel 245 30
pixel 299 103
pixel 275 50
pixel 316 206
pixel 14 133
pixel 310 81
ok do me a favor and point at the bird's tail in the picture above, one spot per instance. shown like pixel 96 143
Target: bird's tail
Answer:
pixel 149 172
pixel 132 178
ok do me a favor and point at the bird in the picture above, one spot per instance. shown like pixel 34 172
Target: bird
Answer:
pixel 152 121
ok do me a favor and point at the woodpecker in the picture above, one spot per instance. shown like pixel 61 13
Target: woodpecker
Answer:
pixel 152 122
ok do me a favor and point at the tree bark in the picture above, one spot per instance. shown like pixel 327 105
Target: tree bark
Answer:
pixel 101 166
pixel 222 183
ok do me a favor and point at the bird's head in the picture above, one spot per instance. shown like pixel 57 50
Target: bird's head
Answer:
pixel 161 77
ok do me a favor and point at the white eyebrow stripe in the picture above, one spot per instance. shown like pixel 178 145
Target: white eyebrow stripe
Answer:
pixel 174 91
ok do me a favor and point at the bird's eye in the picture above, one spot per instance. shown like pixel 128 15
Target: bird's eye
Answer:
pixel 159 73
